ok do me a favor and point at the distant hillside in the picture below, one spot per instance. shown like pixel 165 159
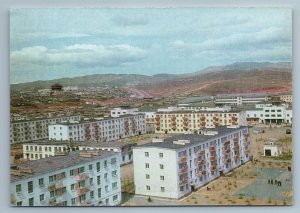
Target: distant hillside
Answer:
pixel 241 76
pixel 238 77
pixel 116 80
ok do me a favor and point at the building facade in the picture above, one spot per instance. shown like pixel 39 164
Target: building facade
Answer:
pixel 189 121
pixel 28 130
pixel 116 112
pixel 77 179
pixel 288 98
pixel 44 149
pixel 270 114
pixel 240 99
pixel 174 167
pixel 103 130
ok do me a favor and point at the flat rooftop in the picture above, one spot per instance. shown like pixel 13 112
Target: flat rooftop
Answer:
pixel 193 138
pixel 241 95
pixel 200 111
pixel 41 119
pixel 81 143
pixel 51 164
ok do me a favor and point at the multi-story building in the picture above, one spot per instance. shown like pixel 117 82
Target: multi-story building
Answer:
pixel 189 121
pixel 268 114
pixel 176 166
pixel 42 149
pixel 107 129
pixel 37 129
pixel 77 179
pixel 240 99
pixel 288 98
pixel 116 112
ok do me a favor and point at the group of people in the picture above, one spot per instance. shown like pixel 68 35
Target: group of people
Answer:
pixel 276 182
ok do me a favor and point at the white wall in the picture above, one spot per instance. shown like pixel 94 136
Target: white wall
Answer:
pixel 58 132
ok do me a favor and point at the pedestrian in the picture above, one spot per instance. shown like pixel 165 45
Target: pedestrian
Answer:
pixel 269 181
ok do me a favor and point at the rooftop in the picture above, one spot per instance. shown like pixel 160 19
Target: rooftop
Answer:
pixel 193 138
pixel 195 99
pixel 241 94
pixel 51 164
pixel 81 143
pixel 200 111
pixel 40 119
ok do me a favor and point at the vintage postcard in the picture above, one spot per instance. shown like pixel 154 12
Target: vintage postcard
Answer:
pixel 151 107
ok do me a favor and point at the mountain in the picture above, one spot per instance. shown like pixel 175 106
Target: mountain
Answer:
pixel 240 76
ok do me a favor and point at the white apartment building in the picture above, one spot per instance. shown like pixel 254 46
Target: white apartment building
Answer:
pixel 77 179
pixel 116 112
pixel 268 114
pixel 107 129
pixel 174 167
pixel 42 149
pixel 240 99
pixel 189 121
pixel 37 129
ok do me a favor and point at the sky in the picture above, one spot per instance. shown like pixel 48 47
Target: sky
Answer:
pixel 55 43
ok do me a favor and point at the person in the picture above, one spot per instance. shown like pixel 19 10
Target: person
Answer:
pixel 149 199
pixel 269 181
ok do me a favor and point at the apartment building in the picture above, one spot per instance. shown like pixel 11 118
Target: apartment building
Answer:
pixel 77 179
pixel 240 99
pixel 270 114
pixel 42 149
pixel 107 129
pixel 288 98
pixel 189 121
pixel 174 167
pixel 36 129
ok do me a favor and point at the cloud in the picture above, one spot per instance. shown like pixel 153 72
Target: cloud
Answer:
pixel 79 55
pixel 130 20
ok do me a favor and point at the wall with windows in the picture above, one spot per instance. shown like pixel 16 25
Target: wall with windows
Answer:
pixel 95 183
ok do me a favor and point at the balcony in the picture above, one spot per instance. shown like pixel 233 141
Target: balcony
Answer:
pixel 82 190
pixel 236 148
pixel 52 202
pixel 247 151
pixel 81 177
pixel 85 203
pixel 213 158
pixel 202 162
pixel 226 143
pixel 202 152
pixel 236 157
pixel 212 149
pixel 213 168
pixel 235 139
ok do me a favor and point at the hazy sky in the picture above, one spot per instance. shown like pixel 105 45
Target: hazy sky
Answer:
pixel 54 43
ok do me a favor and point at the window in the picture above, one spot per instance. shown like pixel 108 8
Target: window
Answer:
pixel 90 167
pixel 30 187
pixel 19 203
pixel 98 179
pixel 162 189
pixel 105 176
pixel 18 188
pixel 73 201
pixel 147 176
pixel 147 165
pixel 52 194
pixel 91 181
pixel 105 163
pixel 92 194
pixel 99 192
pixel 115 197
pixel 42 197
pixel 31 201
pixel 181 188
pixel 114 185
pixel 113 161
pixel 148 188
pixel 51 179
pixel 82 197
pixel 161 166
pixel 98 166
pixel 161 155
pixel 114 173
pixel 106 188
pixel 63 175
pixel 72 187
pixel 146 154
pixel 81 169
pixel 162 178
pixel 41 182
